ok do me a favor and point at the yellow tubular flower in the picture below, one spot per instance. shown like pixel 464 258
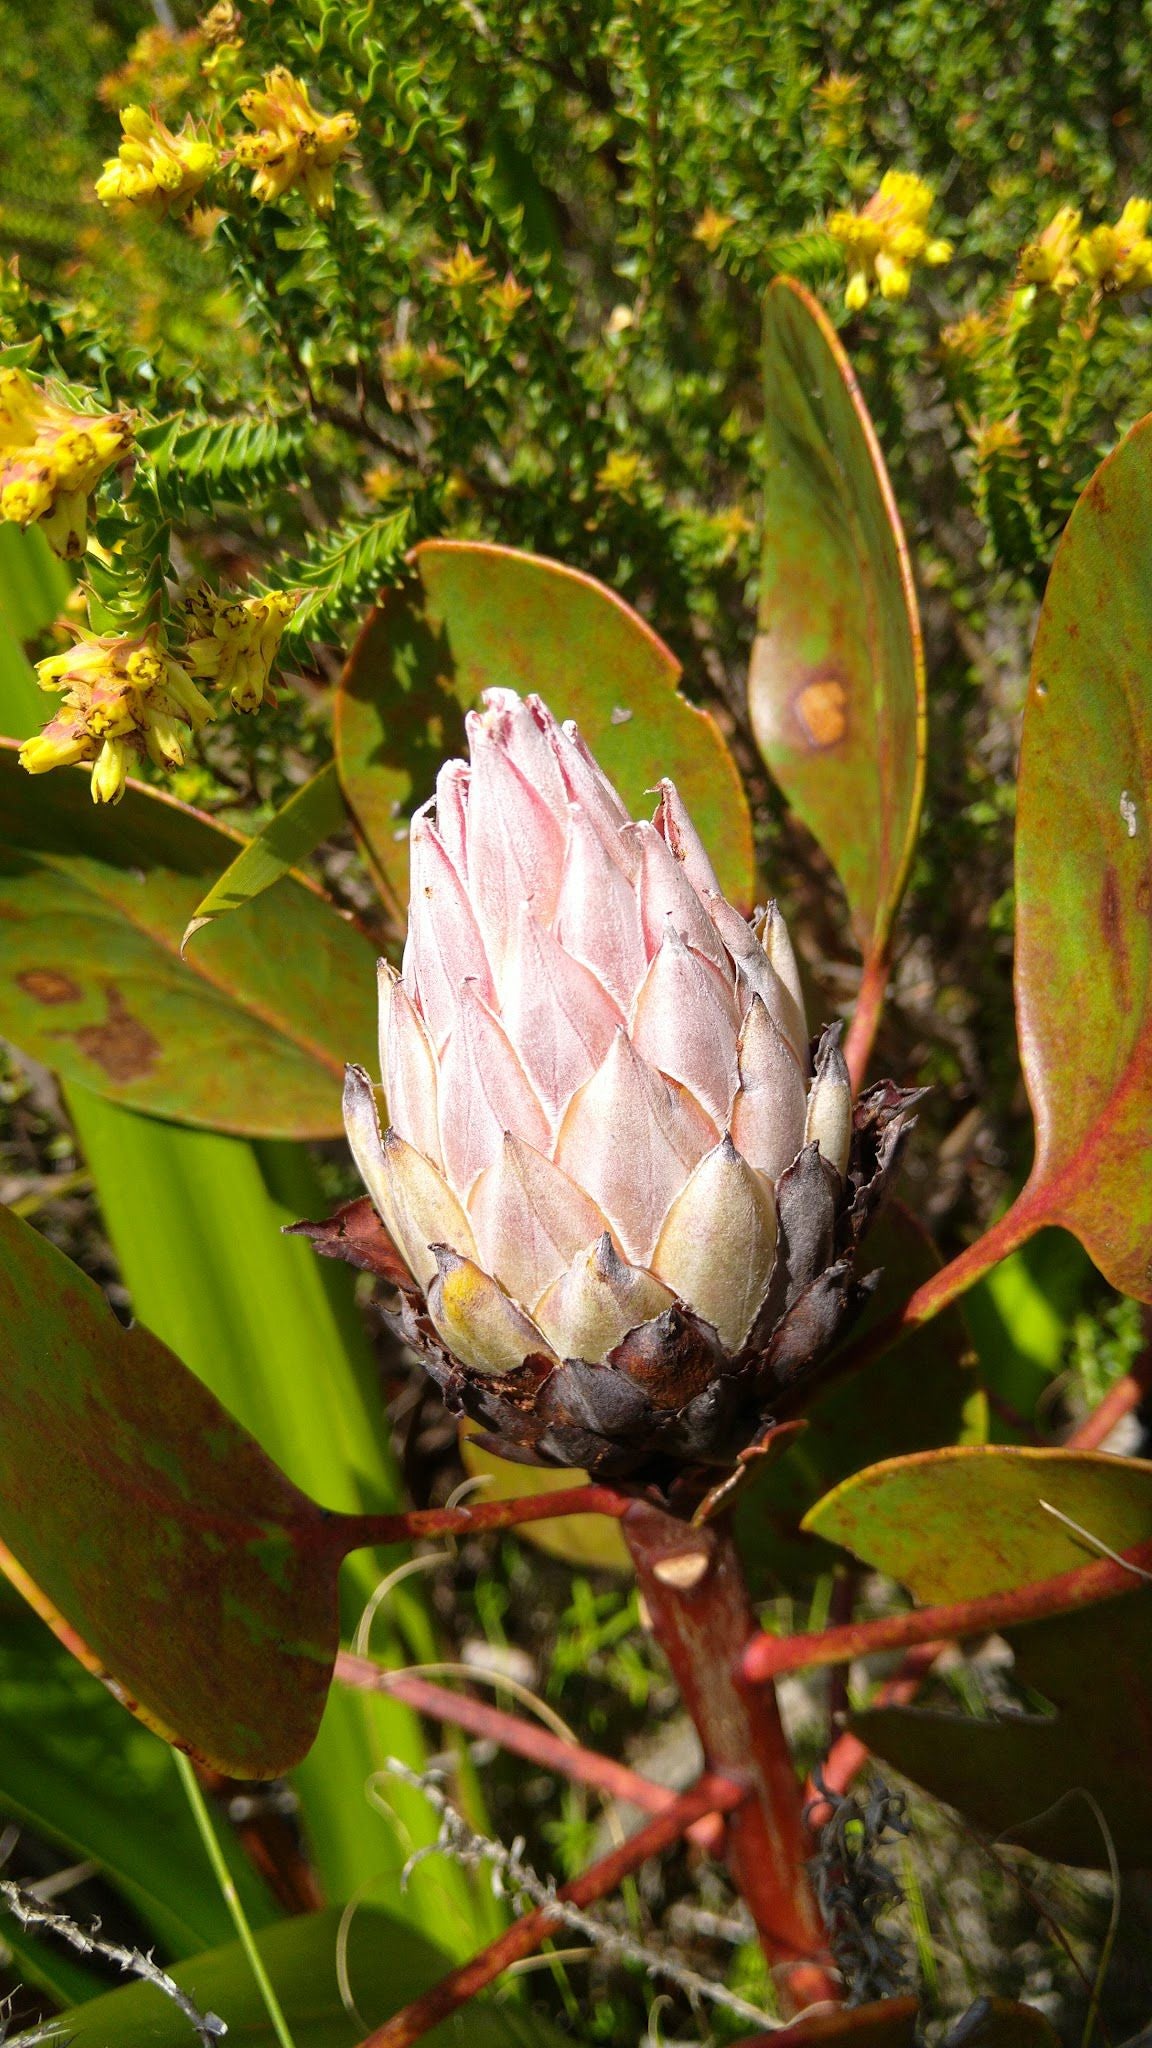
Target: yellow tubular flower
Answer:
pixel 123 696
pixel 885 240
pixel 1119 258
pixel 293 146
pixel 156 171
pixel 52 458
pixel 234 641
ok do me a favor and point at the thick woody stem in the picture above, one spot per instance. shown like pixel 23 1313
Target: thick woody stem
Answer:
pixel 711 1794
pixel 699 1610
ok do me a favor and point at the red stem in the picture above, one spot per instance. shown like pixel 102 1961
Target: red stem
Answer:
pixel 357 1532
pixel 1086 1584
pixel 511 1731
pixel 866 1016
pixel 713 1793
pixel 698 1607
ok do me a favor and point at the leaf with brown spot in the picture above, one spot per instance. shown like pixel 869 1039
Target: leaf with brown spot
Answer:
pixel 836 688
pixel 151 1532
pixel 249 1034
pixel 471 616
pixel 1084 878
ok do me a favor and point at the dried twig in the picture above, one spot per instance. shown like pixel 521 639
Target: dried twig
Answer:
pixel 514 1879
pixel 29 1911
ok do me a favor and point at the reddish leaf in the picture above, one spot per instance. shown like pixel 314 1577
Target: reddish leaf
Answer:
pixel 955 1525
pixel 471 616
pixel 249 1034
pixel 150 1530
pixel 836 689
pixel 1084 877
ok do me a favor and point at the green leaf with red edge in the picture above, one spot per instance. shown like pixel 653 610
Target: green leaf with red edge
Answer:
pixel 472 616
pixel 836 688
pixel 150 1531
pixel 955 1525
pixel 921 1395
pixel 249 1034
pixel 1084 876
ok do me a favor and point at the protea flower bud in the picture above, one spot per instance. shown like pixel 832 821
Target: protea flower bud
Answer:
pixel 624 1199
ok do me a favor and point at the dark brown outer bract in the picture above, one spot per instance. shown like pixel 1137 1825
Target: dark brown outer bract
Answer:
pixel 671 1405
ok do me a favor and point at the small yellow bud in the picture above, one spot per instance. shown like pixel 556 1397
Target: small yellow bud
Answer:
pixel 711 228
pixel 1050 261
pixel 507 297
pixel 462 272
pixel 110 772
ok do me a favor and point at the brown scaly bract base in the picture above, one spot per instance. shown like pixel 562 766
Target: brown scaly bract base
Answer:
pixel 670 1397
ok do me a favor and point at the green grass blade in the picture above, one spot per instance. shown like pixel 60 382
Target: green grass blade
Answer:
pixel 231 1896
pixel 195 1220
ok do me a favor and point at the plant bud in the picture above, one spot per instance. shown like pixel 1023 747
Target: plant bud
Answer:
pixel 611 1171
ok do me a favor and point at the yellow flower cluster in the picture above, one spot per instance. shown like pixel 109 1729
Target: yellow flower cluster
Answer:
pixel 233 642
pixel 1050 260
pixel 123 696
pixel 888 236
pixel 1115 258
pixel 1119 258
pixel 156 171
pixel 294 147
pixel 52 458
